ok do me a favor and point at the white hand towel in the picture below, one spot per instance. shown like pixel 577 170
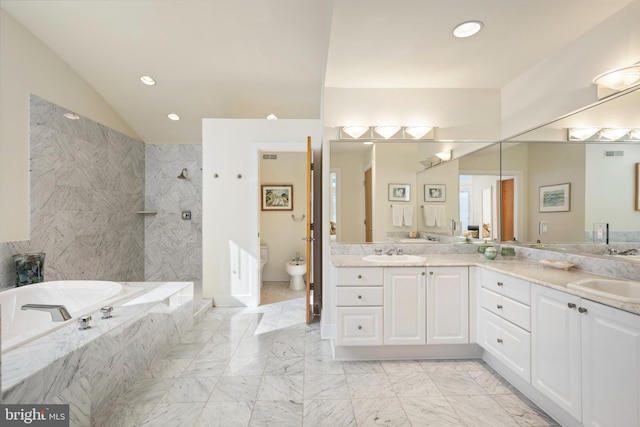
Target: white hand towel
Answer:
pixel 397 214
pixel 408 215
pixel 429 215
pixel 441 215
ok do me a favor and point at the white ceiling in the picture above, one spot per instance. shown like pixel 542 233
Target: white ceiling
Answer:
pixel 249 58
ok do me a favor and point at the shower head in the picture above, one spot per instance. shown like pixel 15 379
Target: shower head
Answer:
pixel 183 174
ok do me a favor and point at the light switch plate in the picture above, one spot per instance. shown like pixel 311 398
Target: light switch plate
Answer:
pixel 543 227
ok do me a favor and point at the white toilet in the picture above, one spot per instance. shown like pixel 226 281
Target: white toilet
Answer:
pixel 264 257
pixel 297 270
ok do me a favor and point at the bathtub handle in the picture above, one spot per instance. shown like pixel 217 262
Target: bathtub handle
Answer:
pixel 106 311
pixel 58 313
pixel 83 322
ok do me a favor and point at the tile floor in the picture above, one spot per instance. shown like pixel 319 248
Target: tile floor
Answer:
pixel 264 366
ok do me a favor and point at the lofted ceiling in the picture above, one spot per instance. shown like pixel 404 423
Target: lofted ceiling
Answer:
pixel 249 58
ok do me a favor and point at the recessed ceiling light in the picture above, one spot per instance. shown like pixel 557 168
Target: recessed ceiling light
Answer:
pixel 71 116
pixel 272 117
pixel 148 80
pixel 173 116
pixel 467 29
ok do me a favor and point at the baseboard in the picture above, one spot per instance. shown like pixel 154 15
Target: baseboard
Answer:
pixel 405 352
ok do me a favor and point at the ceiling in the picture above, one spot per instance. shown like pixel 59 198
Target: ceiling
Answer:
pixel 249 58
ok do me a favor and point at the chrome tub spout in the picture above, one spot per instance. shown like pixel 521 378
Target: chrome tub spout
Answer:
pixel 58 313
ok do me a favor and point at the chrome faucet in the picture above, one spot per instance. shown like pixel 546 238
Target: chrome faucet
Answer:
pixel 399 251
pixel 58 313
pixel 297 259
pixel 391 251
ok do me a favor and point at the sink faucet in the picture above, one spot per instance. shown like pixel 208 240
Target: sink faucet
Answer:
pixel 391 251
pixel 58 313
pixel 399 251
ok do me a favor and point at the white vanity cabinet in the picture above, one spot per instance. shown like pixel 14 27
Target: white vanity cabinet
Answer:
pixel 359 306
pixel 586 358
pixel 447 305
pixel 504 320
pixel 404 306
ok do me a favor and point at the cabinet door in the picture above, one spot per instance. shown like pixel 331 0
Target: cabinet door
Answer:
pixel 359 326
pixel 404 305
pixel 516 349
pixel 490 332
pixel 555 347
pixel 611 366
pixel 448 305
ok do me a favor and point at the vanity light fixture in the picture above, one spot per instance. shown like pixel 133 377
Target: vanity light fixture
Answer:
pixel 635 134
pixel 418 131
pixel 467 29
pixel 603 134
pixel 387 131
pixel 173 116
pixel 619 79
pixel 582 134
pixel 148 80
pixel 272 117
pixel 71 116
pixel 355 131
pixel 445 156
pixel 613 134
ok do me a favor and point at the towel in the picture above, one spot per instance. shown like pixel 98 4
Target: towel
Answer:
pixel 407 214
pixel 397 215
pixel 441 216
pixel 429 215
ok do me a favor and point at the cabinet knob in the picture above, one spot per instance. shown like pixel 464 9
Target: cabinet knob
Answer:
pixel 582 309
pixel 499 340
pixel 499 306
pixel 571 305
pixel 359 327
pixel 359 276
pixel 500 284
pixel 430 273
pixel 359 296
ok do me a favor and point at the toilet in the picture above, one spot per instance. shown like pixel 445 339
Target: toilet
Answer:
pixel 296 270
pixel 264 258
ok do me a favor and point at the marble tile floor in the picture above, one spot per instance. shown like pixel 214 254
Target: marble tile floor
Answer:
pixel 264 366
pixel 272 292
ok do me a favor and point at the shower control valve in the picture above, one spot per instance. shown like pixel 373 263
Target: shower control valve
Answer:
pixel 83 322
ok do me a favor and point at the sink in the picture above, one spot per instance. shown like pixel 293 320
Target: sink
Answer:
pixel 621 290
pixel 416 240
pixel 394 258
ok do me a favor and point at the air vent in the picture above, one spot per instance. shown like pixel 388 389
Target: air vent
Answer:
pixel 612 153
pixel 269 156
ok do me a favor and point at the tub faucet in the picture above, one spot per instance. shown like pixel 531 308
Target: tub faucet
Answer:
pixel 58 313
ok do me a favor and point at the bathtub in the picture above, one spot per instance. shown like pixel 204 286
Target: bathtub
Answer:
pixel 80 297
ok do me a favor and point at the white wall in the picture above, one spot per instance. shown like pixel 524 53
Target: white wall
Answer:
pixel 230 224
pixel 278 230
pixel 29 66
pixel 562 83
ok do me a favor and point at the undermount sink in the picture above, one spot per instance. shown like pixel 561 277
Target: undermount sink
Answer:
pixel 416 240
pixel 394 258
pixel 621 290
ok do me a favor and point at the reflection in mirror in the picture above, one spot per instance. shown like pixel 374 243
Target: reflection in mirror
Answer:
pixel 600 195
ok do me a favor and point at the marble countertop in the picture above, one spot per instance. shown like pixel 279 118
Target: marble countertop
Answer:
pixel 530 271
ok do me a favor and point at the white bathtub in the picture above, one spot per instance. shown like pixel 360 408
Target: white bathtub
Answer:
pixel 80 297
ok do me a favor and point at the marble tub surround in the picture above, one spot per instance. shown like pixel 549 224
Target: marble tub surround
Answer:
pixel 86 185
pixel 276 370
pixel 173 246
pixel 88 369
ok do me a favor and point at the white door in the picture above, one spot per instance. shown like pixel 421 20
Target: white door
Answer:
pixel 555 347
pixel 404 305
pixel 611 366
pixel 448 305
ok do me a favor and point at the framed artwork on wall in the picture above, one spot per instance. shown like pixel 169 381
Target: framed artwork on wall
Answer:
pixel 400 192
pixel 555 198
pixel 435 193
pixel 277 197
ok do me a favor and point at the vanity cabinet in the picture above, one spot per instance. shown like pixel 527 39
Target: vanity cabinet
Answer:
pixel 404 306
pixel 586 358
pixel 504 320
pixel 447 305
pixel 359 306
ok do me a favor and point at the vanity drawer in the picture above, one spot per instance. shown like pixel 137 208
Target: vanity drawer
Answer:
pixel 359 326
pixel 511 310
pixel 503 284
pixel 360 296
pixel 356 276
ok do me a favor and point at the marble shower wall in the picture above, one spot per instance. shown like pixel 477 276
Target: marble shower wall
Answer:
pixel 87 184
pixel 173 246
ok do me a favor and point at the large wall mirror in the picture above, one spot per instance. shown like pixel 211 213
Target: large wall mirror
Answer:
pixel 494 190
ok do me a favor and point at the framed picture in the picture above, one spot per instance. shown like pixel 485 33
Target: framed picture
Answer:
pixel 555 198
pixel 435 193
pixel 638 186
pixel 277 197
pixel 400 192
